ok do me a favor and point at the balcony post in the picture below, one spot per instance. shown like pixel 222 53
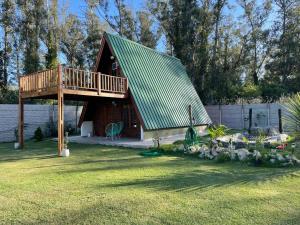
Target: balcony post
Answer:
pixel 99 83
pixel 21 117
pixel 60 110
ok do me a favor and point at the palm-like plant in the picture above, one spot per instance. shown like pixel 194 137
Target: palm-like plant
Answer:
pixel 292 118
pixel 217 131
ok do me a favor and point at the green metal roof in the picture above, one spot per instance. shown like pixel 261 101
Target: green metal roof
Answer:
pixel 159 85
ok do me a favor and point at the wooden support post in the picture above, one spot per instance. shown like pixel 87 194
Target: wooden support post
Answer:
pixel 21 121
pixel 60 111
pixel 190 115
pixel 99 83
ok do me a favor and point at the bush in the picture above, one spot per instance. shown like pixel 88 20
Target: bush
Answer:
pixel 250 91
pixel 38 134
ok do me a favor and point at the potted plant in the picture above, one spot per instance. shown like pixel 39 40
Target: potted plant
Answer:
pixel 66 152
pixel 16 144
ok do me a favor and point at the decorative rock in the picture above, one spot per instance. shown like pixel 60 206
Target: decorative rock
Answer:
pixel 233 154
pixel 280 158
pixel 243 154
pixel 256 155
pixel 181 147
pixel 290 163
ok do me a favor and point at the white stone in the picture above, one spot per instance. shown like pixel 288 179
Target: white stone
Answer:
pixel 280 157
pixel 243 154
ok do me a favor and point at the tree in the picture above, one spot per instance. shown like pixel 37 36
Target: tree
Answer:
pixel 51 38
pixel 7 23
pixel 283 66
pixel 72 41
pixel 178 20
pixel 258 49
pixel 31 22
pixel 94 30
pixel 145 34
pixel 122 21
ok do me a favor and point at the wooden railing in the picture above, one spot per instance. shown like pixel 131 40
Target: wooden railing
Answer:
pixel 86 80
pixel 39 81
pixel 73 79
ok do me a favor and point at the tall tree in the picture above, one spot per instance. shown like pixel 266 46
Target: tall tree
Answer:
pixel 72 41
pixel 144 31
pixel 31 23
pixel 256 16
pixel 7 20
pixel 283 65
pixel 94 30
pixel 51 39
pixel 178 20
pixel 121 21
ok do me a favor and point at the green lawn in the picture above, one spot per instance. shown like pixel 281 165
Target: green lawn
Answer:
pixel 105 185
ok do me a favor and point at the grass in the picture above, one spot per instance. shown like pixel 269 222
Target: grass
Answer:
pixel 106 185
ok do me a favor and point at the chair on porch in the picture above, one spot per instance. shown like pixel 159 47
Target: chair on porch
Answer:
pixel 114 129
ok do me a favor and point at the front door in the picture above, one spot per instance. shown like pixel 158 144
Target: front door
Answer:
pixel 131 122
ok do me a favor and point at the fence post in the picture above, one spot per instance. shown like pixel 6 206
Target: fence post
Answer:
pixel 220 114
pixel 250 120
pixel 280 121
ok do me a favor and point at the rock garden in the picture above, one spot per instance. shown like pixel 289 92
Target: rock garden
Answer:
pixel 259 148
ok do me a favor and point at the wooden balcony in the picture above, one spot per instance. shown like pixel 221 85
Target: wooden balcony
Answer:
pixel 72 82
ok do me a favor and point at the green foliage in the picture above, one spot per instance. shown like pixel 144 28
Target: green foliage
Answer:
pixel 250 91
pixel 8 96
pixel 217 131
pixel 146 35
pixel 72 41
pixel 52 36
pixel 292 118
pixel 38 134
pixel 94 30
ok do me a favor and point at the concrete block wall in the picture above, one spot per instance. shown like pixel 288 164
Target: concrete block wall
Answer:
pixel 34 116
pixel 237 116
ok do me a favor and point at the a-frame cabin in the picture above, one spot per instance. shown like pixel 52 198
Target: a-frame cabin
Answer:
pixel 148 91
pixel 159 92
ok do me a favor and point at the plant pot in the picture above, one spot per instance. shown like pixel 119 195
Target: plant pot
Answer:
pixel 65 153
pixel 16 145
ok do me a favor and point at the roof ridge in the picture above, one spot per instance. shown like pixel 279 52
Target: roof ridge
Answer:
pixel 136 43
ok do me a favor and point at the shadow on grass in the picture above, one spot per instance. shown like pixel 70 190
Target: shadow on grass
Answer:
pixel 202 179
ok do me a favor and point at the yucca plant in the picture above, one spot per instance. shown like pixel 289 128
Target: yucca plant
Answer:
pixel 292 118
pixel 217 131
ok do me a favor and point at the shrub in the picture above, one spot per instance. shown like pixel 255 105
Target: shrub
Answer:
pixel 38 134
pixel 217 131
